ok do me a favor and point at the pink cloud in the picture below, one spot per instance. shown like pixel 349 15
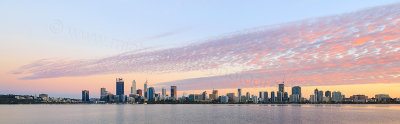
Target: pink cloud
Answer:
pixel 358 47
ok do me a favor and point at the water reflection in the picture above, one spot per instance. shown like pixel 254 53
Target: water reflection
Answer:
pixel 182 114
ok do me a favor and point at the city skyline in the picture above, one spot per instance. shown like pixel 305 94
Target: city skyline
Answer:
pixel 353 49
pixel 282 96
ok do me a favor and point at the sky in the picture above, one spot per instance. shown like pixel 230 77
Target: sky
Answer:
pixel 63 47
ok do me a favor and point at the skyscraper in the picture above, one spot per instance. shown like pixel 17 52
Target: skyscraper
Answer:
pixel 282 87
pixel 272 97
pixel 320 96
pixel 133 87
pixel 151 93
pixel 215 92
pixel 204 95
pixel 285 97
pixel 85 96
pixel 328 94
pixel 214 95
pixel 119 87
pixel 265 96
pixel 316 95
pixel 145 89
pixel 139 92
pixel 248 96
pixel 337 96
pixel 231 96
pixel 261 96
pixel 279 97
pixel 164 92
pixel 313 99
pixel 240 94
pixel 103 92
pixel 224 99
pixel 254 99
pixel 173 92
pixel 296 92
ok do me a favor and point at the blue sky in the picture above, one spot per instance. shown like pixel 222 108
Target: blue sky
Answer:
pixel 149 24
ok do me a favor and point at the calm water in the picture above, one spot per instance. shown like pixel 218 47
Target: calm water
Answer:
pixel 183 114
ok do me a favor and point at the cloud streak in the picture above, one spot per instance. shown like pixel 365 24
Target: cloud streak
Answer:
pixel 167 34
pixel 352 48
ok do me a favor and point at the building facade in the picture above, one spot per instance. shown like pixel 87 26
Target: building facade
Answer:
pixel 133 87
pixel 119 86
pixel 151 94
pixel 85 95
pixel 174 94
pixel 296 92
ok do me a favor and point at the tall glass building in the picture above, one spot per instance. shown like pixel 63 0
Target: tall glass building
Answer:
pixel 272 96
pixel 265 96
pixel 279 96
pixel 145 89
pixel 133 87
pixel 119 86
pixel 282 87
pixel 151 93
pixel 240 94
pixel 85 96
pixel 139 92
pixel 320 96
pixel 164 92
pixel 173 92
pixel 296 90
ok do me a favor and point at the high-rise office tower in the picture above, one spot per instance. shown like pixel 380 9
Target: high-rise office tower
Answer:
pixel 151 93
pixel 119 87
pixel 328 94
pixel 85 95
pixel 272 97
pixel 296 91
pixel 265 96
pixel 133 87
pixel 337 96
pixel 139 92
pixel 279 97
pixel 231 96
pixel 173 92
pixel 204 95
pixel 282 87
pixel 103 92
pixel 248 96
pixel 240 94
pixel 285 97
pixel 254 99
pixel 320 96
pixel 260 95
pixel 145 89
pixel 215 92
pixel 316 94
pixel 214 95
pixel 164 92
pixel 313 98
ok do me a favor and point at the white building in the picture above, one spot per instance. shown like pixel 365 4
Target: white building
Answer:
pixel 133 87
